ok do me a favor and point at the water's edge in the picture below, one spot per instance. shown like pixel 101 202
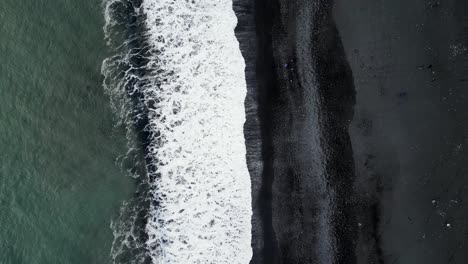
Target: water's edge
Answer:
pixel 301 98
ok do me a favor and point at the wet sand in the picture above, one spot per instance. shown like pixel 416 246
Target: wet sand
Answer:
pixel 301 162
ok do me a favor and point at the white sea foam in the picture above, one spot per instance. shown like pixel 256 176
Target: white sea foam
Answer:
pixel 195 90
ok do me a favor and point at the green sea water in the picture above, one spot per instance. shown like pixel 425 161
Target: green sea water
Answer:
pixel 60 185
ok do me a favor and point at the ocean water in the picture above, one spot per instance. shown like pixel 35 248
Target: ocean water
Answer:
pixel 130 151
pixel 61 184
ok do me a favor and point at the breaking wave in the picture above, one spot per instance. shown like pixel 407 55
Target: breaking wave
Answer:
pixel 177 81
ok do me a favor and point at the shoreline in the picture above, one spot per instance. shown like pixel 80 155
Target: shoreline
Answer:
pixel 302 200
pixel 246 35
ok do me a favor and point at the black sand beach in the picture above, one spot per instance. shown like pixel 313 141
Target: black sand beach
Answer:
pixel 369 169
pixel 304 91
pixel 409 134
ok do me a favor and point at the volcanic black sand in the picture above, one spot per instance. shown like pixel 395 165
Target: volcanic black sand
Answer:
pixel 304 92
pixel 386 184
pixel 409 133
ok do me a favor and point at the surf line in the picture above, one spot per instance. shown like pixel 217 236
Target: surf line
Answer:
pixel 192 95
